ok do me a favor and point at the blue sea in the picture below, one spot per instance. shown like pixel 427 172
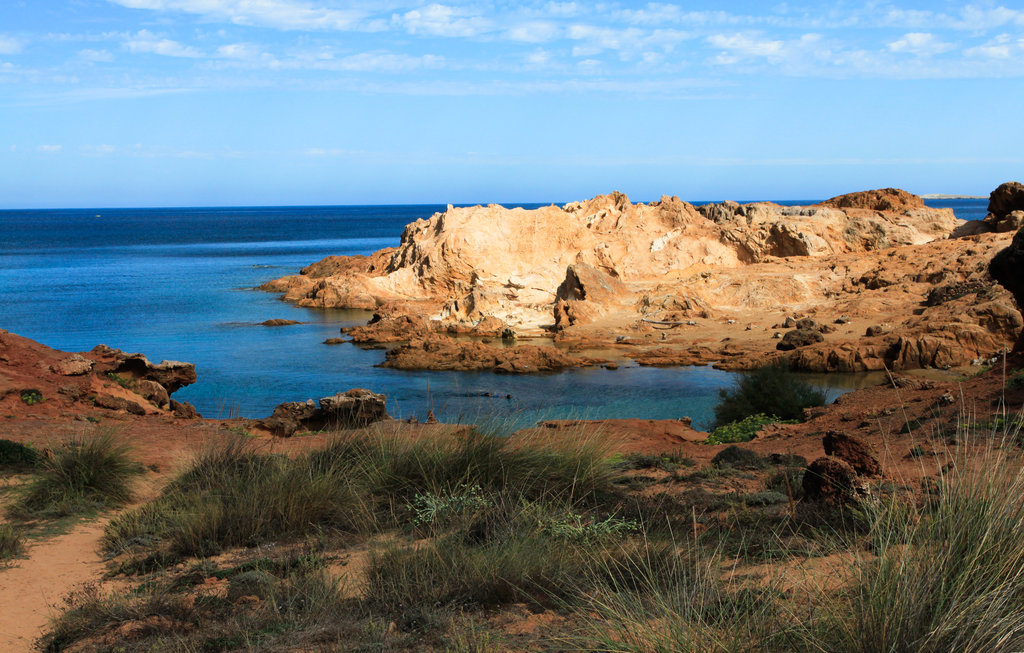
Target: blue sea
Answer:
pixel 178 284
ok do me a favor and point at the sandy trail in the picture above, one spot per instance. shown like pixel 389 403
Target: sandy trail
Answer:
pixel 31 589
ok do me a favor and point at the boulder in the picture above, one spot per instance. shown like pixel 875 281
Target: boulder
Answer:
pixel 277 322
pixel 153 391
pixel 73 365
pixel 1006 199
pixel 852 451
pixel 831 481
pixel 1007 267
pixel 288 418
pixel 799 338
pixel 184 410
pixel 353 409
pixel 119 403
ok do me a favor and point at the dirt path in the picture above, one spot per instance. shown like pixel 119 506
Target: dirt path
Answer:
pixel 31 589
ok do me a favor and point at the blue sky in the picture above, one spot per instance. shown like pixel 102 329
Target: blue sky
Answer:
pixel 213 102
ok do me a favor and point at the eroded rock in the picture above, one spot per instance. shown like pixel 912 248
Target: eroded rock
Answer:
pixel 353 409
pixel 73 365
pixel 853 452
pixel 831 481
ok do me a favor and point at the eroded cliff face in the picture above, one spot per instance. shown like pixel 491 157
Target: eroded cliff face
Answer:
pixel 519 265
pixel 684 284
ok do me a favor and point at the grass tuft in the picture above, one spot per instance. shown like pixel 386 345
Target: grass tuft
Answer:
pixel 80 475
pixel 11 542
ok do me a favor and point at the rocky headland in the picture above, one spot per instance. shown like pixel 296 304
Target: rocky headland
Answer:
pixel 861 282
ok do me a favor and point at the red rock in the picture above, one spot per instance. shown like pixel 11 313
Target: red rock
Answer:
pixel 853 452
pixel 831 481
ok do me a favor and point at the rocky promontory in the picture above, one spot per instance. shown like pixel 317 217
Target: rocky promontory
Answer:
pixel 883 279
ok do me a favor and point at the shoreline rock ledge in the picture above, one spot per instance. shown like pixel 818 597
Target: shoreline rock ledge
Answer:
pixel 704 284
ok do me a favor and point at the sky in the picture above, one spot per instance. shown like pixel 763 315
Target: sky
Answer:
pixel 108 103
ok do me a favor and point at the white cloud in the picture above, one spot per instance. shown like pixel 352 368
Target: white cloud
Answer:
pixel 280 14
pixel 10 45
pixel 387 62
pixel 920 43
pixel 98 150
pixel 147 42
pixel 1003 47
pixel 240 51
pixel 970 18
pixel 533 32
pixel 442 20
pixel 95 55
pixel 736 46
pixel 629 42
pixel 49 149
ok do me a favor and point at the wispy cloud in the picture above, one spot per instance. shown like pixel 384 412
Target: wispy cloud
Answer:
pixel 443 20
pixel 280 14
pixel 147 42
pixel 49 149
pixel 10 44
pixel 921 44
pixel 97 56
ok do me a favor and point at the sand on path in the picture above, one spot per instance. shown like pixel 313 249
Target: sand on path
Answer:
pixel 31 589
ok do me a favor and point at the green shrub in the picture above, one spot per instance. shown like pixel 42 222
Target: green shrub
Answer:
pixel 17 454
pixel 82 474
pixel 434 509
pixel 770 390
pixel 125 382
pixel 580 529
pixel 11 543
pixel 31 396
pixel 743 430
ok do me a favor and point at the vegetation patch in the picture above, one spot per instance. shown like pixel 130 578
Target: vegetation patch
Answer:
pixel 16 454
pixel 11 542
pixel 31 397
pixel 79 475
pixel 770 390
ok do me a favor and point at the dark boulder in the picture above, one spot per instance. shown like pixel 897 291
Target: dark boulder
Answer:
pixel 799 338
pixel 852 451
pixel 831 481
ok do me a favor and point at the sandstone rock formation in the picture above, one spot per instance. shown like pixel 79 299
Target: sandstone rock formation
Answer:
pixel 103 378
pixel 353 409
pixel 1006 207
pixel 678 284
pixel 439 352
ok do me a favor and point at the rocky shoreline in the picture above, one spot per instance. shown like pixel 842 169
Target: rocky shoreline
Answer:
pixel 867 281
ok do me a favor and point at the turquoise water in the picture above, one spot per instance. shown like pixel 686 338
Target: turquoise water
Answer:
pixel 177 283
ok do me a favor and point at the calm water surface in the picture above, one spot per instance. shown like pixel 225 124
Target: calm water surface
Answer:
pixel 176 283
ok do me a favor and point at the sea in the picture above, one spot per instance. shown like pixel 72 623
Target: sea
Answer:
pixel 179 284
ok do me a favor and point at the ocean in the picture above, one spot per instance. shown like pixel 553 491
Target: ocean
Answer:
pixel 178 284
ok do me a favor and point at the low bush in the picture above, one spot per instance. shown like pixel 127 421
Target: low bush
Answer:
pixel 770 390
pixel 81 474
pixel 743 430
pixel 16 454
pixel 11 544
